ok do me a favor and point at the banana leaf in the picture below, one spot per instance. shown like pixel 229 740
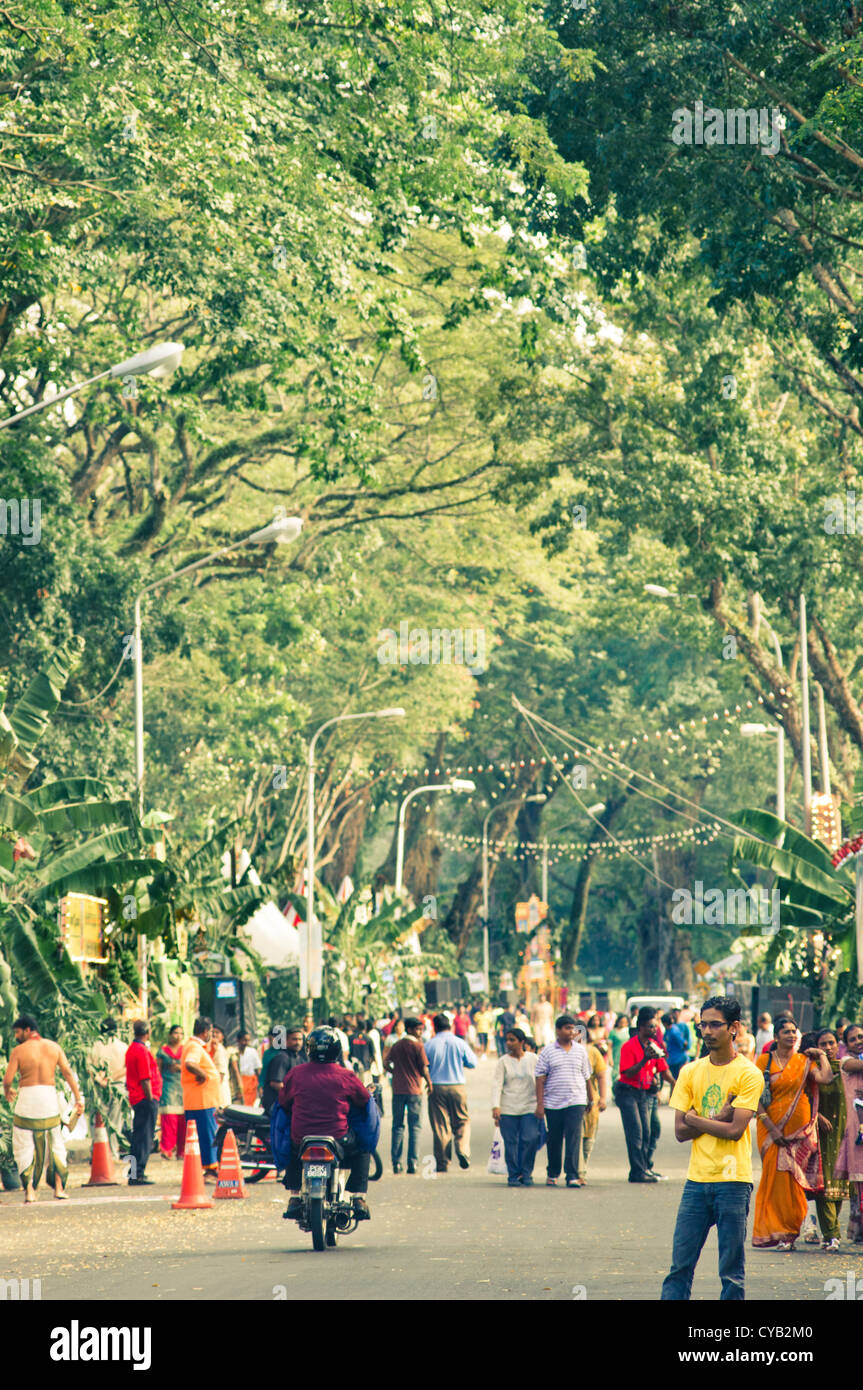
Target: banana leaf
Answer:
pixel 80 816
pixel 66 790
pixel 211 852
pixel 31 714
pixel 97 878
pixel 30 971
pixel 110 845
pixel 770 827
pixel 220 900
pixel 153 921
pixel 17 815
pixel 793 867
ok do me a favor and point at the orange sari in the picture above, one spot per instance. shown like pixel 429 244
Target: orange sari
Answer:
pixel 780 1203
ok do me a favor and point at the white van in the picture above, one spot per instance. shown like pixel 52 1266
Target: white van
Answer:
pixel 663 1003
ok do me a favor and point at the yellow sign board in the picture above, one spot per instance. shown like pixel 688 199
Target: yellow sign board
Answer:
pixel 82 923
pixel 701 967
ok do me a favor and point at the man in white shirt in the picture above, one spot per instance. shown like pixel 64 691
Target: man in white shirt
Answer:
pixel 332 1022
pixel 513 1107
pixel 249 1067
pixel 764 1034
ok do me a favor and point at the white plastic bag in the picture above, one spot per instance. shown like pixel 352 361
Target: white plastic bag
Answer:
pixel 496 1161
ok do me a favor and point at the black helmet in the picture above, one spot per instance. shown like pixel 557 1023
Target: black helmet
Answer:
pixel 324 1045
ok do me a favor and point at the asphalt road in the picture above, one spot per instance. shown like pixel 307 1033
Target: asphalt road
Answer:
pixel 460 1235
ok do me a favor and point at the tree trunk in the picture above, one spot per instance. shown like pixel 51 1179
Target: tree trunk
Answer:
pixel 574 930
pixel 349 839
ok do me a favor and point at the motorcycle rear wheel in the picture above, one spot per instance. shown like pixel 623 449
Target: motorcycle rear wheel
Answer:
pixel 331 1235
pixel 316 1222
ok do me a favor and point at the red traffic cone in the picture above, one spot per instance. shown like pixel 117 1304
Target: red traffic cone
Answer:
pixel 101 1163
pixel 192 1192
pixel 230 1179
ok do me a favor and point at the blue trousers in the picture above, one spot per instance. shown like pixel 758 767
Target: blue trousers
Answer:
pixel 520 1137
pixel 205 1122
pixel 414 1107
pixel 724 1205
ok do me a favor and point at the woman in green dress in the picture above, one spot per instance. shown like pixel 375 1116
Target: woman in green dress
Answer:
pixel 617 1036
pixel 831 1128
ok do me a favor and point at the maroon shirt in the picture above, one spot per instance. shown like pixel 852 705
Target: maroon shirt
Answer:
pixel 141 1065
pixel 322 1093
pixel 407 1058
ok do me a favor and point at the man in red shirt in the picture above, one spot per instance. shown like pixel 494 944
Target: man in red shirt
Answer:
pixel 641 1058
pixel 409 1066
pixel 144 1084
pixel 318 1096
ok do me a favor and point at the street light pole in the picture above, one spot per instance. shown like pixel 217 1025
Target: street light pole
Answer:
pixel 155 361
pixel 307 928
pixel 457 784
pixel 284 530
pixel 806 760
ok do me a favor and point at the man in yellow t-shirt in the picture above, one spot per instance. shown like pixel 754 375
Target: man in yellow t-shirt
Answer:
pixel 714 1101
pixel 201 1091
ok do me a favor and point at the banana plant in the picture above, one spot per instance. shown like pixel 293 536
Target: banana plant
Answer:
pixel 814 896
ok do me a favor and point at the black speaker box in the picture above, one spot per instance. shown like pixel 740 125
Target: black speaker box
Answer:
pixel 444 990
pixel 230 1003
pixel 791 999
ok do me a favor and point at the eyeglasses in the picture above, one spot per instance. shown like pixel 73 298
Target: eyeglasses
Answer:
pixel 714 1025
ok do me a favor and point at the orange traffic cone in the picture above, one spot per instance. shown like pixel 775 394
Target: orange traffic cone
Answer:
pixel 230 1179
pixel 192 1192
pixel 101 1163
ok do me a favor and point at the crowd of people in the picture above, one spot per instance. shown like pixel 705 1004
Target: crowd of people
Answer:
pixel 550 1080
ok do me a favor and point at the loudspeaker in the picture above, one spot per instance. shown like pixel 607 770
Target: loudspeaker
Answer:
pixel 585 1000
pixel 602 1001
pixel 230 1003
pixel 442 991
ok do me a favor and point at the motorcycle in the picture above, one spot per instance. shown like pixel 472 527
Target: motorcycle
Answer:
pixel 252 1130
pixel 328 1210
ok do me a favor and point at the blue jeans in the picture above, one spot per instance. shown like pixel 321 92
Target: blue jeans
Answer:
pixel 724 1205
pixel 414 1107
pixel 520 1137
pixel 205 1123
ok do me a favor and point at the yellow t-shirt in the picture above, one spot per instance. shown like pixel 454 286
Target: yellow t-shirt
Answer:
pixel 702 1087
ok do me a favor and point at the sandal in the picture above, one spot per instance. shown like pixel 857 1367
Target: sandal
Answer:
pixel 551 1182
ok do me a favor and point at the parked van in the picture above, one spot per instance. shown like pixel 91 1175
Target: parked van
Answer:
pixel 663 1003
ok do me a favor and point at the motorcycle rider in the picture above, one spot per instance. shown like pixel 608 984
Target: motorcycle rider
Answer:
pixel 317 1097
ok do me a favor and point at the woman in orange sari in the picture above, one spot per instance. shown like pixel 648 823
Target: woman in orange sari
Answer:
pixel 784 1110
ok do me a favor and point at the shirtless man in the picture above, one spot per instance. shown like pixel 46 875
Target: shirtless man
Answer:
pixel 36 1118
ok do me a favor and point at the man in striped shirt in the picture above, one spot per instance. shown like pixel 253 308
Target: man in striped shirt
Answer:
pixel 563 1091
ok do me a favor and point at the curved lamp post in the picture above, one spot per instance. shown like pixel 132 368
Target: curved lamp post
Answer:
pixel 155 361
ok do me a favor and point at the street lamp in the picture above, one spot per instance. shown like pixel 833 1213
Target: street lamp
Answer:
pixel 307 929
pixel 457 784
pixel 536 798
pixel 155 361
pixel 753 730
pixel 285 529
